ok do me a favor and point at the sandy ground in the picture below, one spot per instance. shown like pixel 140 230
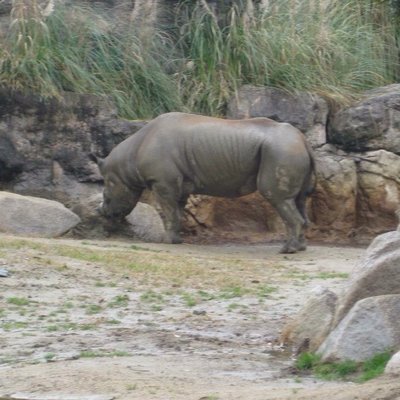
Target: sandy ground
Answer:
pixel 151 321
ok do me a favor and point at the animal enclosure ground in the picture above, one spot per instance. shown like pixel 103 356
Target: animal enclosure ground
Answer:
pixel 153 321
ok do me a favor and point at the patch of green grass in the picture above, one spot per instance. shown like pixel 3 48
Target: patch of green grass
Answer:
pixel 93 309
pixel 18 301
pixel 150 296
pixel 206 296
pixel 53 328
pixel 234 306
pixel 141 248
pixel 105 284
pixel 189 299
pixel 13 325
pixel 70 326
pixel 121 300
pixel 347 369
pixel 330 275
pixel 95 354
pixel 265 290
pixel 336 371
pixel 375 366
pixel 49 357
pixel 233 291
pixel 307 361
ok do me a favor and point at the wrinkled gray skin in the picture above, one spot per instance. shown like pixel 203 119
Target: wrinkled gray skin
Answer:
pixel 179 154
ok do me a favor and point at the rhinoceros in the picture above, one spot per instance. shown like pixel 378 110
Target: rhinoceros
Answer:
pixel 179 154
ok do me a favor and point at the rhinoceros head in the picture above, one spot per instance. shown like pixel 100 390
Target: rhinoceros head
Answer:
pixel 118 199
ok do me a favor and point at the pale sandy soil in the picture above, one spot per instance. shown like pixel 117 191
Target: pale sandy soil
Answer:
pixel 152 321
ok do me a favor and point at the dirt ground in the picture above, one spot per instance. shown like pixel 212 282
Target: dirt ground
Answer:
pixel 151 321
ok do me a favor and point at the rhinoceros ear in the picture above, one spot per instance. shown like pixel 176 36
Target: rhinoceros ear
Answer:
pixel 98 160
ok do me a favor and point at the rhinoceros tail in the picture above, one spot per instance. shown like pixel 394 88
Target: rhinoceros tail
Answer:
pixel 311 180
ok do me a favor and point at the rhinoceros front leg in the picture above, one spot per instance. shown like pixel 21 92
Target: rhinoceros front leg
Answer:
pixel 171 211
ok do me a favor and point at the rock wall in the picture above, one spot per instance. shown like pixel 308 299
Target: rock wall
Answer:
pixel 44 147
pixel 357 156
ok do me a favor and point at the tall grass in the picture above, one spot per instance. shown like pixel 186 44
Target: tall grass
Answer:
pixel 335 48
pixel 81 50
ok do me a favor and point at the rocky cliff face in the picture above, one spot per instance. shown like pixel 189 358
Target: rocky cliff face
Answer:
pixel 44 147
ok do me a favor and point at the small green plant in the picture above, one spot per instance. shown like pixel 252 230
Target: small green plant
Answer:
pixel 93 309
pixel 265 290
pixel 331 275
pixel 234 306
pixel 52 328
pixel 18 301
pixel 375 366
pixel 105 284
pixel 307 361
pixel 95 353
pixel 336 371
pixel 49 357
pixel 189 299
pixel 119 301
pixel 232 292
pixel 151 296
pixel 358 371
pixel 206 296
pixel 13 325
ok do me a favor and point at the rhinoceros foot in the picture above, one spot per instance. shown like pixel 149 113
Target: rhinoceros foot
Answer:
pixel 293 246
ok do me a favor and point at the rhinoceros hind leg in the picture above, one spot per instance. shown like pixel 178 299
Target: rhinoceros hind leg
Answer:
pixel 294 223
pixel 293 246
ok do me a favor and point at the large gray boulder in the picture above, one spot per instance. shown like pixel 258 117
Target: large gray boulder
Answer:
pixel 370 124
pixel 310 327
pixel 393 366
pixel 377 274
pixel 32 216
pixel 307 112
pixel 372 326
pixel 146 223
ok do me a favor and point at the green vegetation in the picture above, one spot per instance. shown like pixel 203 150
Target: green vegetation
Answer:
pixel 49 357
pixel 198 61
pixel 348 369
pixel 93 309
pixel 70 326
pixel 18 301
pixel 119 301
pixel 13 325
pixel 189 299
pixel 233 291
pixel 95 354
pixel 375 366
